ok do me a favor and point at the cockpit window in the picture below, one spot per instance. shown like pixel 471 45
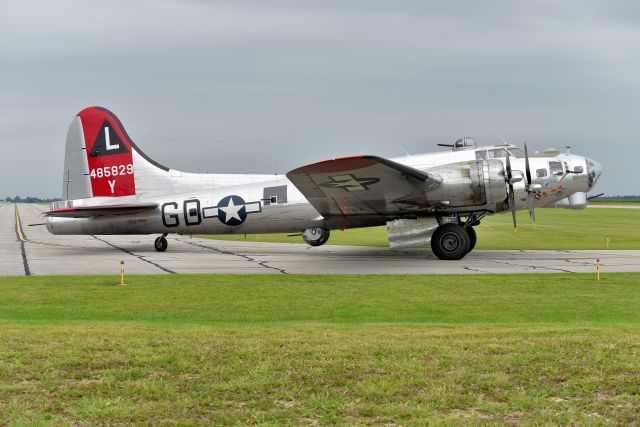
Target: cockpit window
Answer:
pixel 578 169
pixel 541 173
pixel 499 153
pixel 556 168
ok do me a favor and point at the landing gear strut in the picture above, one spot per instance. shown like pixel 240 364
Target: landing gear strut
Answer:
pixel 316 236
pixel 161 243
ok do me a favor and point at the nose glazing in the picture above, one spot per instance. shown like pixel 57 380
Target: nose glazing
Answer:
pixel 594 170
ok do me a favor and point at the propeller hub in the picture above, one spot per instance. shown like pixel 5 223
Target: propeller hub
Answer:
pixel 516 176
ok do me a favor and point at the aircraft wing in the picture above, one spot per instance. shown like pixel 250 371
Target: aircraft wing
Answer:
pixel 101 210
pixel 363 185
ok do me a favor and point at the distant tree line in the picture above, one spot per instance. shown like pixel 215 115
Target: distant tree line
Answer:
pixel 30 199
pixel 628 198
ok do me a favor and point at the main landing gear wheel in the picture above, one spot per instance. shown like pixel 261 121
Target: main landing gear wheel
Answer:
pixel 316 236
pixel 473 237
pixel 161 244
pixel 450 242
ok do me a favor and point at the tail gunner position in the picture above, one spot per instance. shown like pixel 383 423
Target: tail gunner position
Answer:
pixel 111 187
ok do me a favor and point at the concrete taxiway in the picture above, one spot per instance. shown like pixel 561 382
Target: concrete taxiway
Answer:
pixel 32 250
pixel 602 206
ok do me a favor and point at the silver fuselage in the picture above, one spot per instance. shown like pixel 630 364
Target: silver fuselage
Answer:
pixel 238 204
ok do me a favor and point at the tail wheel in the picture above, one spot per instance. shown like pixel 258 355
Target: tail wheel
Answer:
pixel 161 244
pixel 473 237
pixel 316 236
pixel 450 242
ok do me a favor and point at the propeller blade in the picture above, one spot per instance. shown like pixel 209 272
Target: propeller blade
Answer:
pixel 512 198
pixel 533 217
pixel 532 212
pixel 530 189
pixel 527 166
pixel 512 206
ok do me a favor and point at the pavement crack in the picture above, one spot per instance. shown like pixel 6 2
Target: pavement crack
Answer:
pixel 58 245
pixel 578 262
pixel 226 252
pixel 140 257
pixel 533 267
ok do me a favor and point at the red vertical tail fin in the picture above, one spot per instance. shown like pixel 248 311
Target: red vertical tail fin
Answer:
pixel 100 157
pixel 109 154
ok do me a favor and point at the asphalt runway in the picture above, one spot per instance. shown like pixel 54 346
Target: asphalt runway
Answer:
pixel 34 251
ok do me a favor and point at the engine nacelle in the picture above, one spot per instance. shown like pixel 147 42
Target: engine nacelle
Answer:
pixel 574 201
pixel 474 185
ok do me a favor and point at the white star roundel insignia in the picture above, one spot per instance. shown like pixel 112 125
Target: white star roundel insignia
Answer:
pixel 232 210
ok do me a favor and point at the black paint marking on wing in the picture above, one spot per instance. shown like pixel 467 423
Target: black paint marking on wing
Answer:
pixel 350 182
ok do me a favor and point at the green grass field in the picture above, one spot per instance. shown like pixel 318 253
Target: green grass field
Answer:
pixel 555 229
pixel 272 350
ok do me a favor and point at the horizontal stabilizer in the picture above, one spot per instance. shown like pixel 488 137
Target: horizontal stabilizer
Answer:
pixel 104 210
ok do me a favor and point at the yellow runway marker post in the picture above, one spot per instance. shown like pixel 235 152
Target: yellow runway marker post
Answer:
pixel 121 273
pixel 598 269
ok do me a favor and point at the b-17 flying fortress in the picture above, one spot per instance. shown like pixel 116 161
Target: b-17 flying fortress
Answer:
pixel 111 187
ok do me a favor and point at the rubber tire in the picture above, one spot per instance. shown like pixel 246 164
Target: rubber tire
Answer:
pixel 450 242
pixel 319 241
pixel 473 237
pixel 161 244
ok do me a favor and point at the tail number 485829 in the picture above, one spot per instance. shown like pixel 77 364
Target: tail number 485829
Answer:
pixel 109 171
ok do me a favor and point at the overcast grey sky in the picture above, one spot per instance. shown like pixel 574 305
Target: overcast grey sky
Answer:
pixel 259 86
